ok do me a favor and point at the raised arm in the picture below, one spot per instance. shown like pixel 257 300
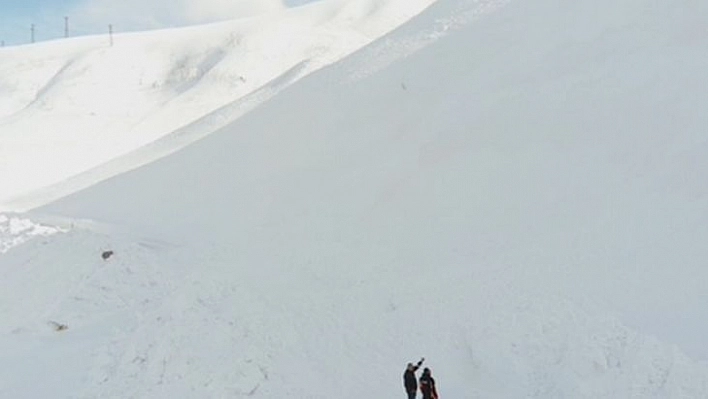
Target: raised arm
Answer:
pixel 420 362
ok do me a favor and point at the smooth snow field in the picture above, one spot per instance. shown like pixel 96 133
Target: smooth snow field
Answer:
pixel 515 190
pixel 67 107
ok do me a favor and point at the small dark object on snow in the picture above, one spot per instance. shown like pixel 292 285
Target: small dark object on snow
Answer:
pixel 58 326
pixel 106 254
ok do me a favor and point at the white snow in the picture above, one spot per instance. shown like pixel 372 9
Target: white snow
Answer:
pixel 513 189
pixel 69 106
pixel 16 230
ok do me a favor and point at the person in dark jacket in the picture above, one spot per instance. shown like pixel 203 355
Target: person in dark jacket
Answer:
pixel 427 385
pixel 410 382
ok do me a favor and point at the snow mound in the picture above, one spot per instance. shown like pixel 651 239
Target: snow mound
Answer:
pixel 15 230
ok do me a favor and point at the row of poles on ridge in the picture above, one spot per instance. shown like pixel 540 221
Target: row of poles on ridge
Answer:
pixel 33 31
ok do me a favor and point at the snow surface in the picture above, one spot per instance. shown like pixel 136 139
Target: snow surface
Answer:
pixel 514 190
pixel 69 106
pixel 15 231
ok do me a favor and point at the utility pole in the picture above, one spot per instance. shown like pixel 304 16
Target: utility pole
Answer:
pixel 110 34
pixel 32 33
pixel 66 27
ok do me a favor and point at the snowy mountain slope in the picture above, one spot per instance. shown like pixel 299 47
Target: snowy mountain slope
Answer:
pixel 164 146
pixel 503 201
pixel 69 106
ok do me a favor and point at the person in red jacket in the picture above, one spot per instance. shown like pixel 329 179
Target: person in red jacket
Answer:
pixel 427 385
pixel 409 380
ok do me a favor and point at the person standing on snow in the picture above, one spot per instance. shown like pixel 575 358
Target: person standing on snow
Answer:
pixel 427 385
pixel 410 382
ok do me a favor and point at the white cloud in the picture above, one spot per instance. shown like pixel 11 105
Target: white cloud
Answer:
pixel 147 14
pixel 209 10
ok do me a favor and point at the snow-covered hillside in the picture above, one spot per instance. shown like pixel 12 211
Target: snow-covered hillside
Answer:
pixel 69 106
pixel 513 189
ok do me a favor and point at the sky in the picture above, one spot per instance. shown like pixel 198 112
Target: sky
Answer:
pixel 93 16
